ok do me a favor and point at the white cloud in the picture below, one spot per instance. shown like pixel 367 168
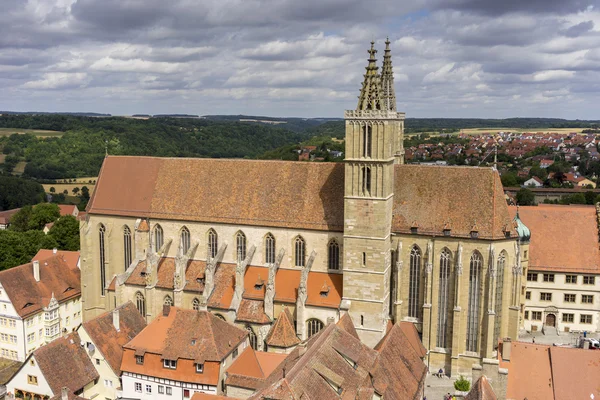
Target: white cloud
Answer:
pixel 58 80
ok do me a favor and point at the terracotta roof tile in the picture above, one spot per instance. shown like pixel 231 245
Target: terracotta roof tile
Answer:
pixel 288 280
pixel 550 249
pixel 8 369
pixel 580 385
pixel 67 209
pixel 529 372
pixel 410 331
pixel 64 363
pixel 252 192
pixel 71 257
pixel 6 215
pixel 206 396
pixel 251 368
pixel 113 284
pixel 28 296
pixel 282 333
pixel 423 193
pixel 482 390
pixel 110 342
pixel 252 311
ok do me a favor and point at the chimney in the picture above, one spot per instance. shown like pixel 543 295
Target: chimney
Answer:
pixel 64 394
pixel 36 270
pixel 166 310
pixel 115 315
pixel 506 347
pixel 54 250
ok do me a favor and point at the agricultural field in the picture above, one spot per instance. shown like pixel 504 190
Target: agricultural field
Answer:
pixel 37 132
pixel 61 187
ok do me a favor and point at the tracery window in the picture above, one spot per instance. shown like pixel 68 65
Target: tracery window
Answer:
pixel 367 133
pixel 473 311
pixel 184 240
pixel 240 242
pixel 158 238
pixel 168 301
pixel 196 304
pixel 334 255
pixel 300 252
pixel 102 251
pixel 313 326
pixel 269 249
pixel 499 293
pixel 212 243
pixel 443 298
pixel 140 302
pixel 414 289
pixel 126 247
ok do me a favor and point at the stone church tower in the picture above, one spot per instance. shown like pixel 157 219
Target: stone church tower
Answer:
pixel 374 136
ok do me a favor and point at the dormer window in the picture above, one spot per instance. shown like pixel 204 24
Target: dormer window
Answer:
pixel 170 364
pixel 259 284
pixel 414 230
pixel 324 290
pixel 199 368
pixel 447 231
pixel 139 360
pixel 474 234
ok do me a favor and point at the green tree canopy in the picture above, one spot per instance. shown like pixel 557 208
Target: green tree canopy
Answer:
pixel 65 232
pixel 18 248
pixel 509 179
pixel 19 222
pixel 525 197
pixel 43 214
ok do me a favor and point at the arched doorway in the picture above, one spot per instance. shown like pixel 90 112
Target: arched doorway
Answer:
pixel 551 320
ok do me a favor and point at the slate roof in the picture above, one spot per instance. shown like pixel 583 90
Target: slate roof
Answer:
pixel 28 296
pixel 334 364
pixel 106 338
pixel 550 249
pixel 296 195
pixel 65 363
pixel 282 333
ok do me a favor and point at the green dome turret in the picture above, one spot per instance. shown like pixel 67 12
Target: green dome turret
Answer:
pixel 522 230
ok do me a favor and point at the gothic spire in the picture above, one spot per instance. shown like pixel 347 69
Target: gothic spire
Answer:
pixel 370 95
pixel 387 80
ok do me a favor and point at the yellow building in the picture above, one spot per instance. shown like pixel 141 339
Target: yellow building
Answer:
pixel 371 237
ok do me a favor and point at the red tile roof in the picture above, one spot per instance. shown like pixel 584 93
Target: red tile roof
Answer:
pixel 6 215
pixel 108 340
pixel 251 368
pixel 252 311
pixel 482 390
pixel 65 363
pixel 282 333
pixel 411 333
pixel 71 257
pixel 253 193
pixel 550 249
pixel 67 209
pixel 29 297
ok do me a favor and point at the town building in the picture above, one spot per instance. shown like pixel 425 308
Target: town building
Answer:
pixel 60 365
pixel 39 302
pixel 335 364
pixel 249 372
pixel 179 353
pixel 372 237
pixel 563 276
pixel 534 181
pixel 103 338
pixel 540 372
pixel 5 217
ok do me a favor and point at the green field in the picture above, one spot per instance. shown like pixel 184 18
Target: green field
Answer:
pixel 36 132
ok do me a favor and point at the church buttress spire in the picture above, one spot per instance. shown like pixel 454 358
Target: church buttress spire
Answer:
pixel 370 95
pixel 387 80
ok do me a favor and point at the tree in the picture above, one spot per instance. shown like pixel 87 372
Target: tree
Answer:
pixel 525 197
pixel 509 179
pixel 462 385
pixel 85 193
pixel 19 222
pixel 539 172
pixel 52 190
pixel 65 192
pixel 65 232
pixel 590 197
pixel 18 248
pixel 43 214
pixel 75 191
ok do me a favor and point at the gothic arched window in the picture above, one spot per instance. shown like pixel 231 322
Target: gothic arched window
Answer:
pixel 184 240
pixel 126 246
pixel 443 298
pixel 334 255
pixel 102 251
pixel 269 249
pixel 240 246
pixel 140 302
pixel 473 311
pixel 367 139
pixel 158 238
pixel 366 180
pixel 414 288
pixel 501 262
pixel 212 243
pixel 196 304
pixel 299 252
pixel 252 337
pixel 168 301
pixel 313 326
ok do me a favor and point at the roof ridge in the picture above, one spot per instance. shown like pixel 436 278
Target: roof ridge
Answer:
pixel 258 362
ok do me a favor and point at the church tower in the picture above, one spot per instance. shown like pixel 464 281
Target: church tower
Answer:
pixel 374 134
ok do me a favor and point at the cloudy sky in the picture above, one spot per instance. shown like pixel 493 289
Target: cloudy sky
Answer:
pixel 452 58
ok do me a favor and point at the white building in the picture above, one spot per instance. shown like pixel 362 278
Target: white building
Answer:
pixel 103 338
pixel 38 301
pixel 534 181
pixel 563 275
pixel 181 352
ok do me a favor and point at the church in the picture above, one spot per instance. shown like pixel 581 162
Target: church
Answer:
pixel 285 248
